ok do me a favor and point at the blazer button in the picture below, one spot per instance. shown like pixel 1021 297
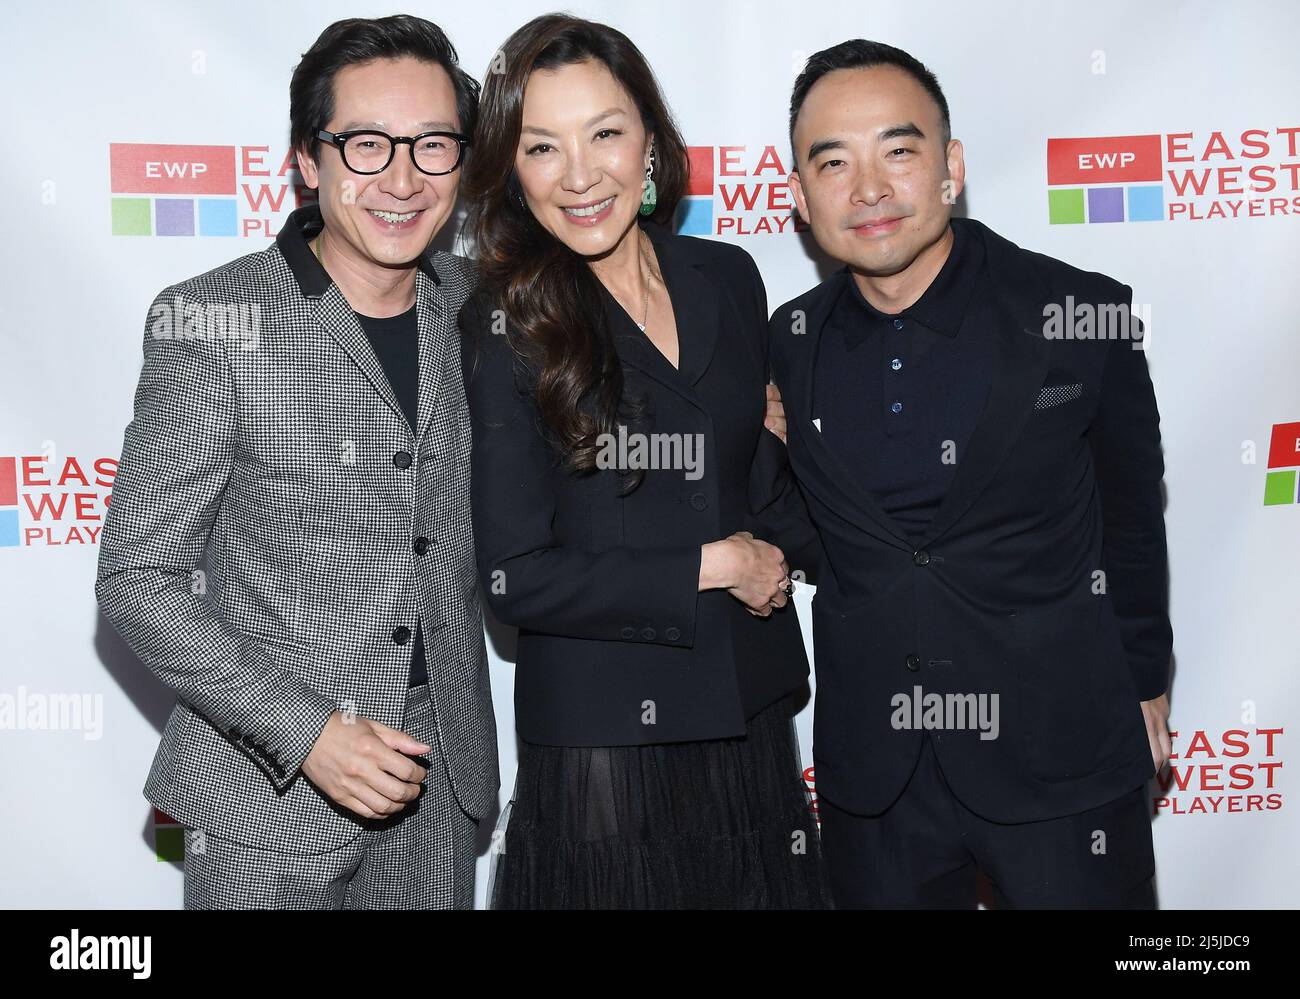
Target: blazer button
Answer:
pixel 421 545
pixel 628 633
pixel 921 558
pixel 672 634
pixel 401 634
pixel 699 501
pixel 913 662
pixel 648 634
pixel 402 459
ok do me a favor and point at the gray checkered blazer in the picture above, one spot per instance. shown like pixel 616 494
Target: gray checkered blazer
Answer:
pixel 258 554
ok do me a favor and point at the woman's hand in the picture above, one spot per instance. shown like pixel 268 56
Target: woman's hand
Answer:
pixel 752 571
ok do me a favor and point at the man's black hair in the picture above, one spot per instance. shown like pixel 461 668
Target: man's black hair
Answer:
pixel 858 53
pixel 358 40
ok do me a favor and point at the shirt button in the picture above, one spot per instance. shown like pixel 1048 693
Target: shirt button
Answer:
pixel 896 363
pixel 898 324
pixel 896 407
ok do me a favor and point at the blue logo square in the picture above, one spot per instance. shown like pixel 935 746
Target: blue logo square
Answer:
pixel 217 217
pixel 1146 204
pixel 8 528
pixel 695 217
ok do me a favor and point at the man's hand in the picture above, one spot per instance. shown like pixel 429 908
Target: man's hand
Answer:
pixel 775 418
pixel 1156 713
pixel 359 764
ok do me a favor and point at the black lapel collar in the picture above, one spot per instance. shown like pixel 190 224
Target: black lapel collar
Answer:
pixel 816 310
pixel 302 226
pixel 1010 307
pixel 697 310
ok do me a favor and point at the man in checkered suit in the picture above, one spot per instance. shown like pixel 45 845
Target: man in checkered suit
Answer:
pixel 289 544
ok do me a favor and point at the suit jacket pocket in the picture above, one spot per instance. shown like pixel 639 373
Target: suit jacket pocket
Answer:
pixel 1054 652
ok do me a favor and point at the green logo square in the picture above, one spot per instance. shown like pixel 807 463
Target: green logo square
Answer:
pixel 1279 488
pixel 1065 205
pixel 132 217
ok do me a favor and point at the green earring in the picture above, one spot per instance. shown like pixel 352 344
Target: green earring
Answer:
pixel 649 197
pixel 649 193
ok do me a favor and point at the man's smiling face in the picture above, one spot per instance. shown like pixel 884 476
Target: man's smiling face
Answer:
pixel 874 177
pixel 389 218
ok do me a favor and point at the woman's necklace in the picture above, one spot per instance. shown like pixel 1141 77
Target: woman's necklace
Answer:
pixel 642 240
pixel 644 243
pixel 645 312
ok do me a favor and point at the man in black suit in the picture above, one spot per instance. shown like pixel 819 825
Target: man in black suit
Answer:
pixel 990 629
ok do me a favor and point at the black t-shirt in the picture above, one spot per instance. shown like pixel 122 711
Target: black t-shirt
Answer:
pixel 396 342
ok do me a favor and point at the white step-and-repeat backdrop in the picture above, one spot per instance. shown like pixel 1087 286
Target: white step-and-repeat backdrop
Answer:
pixel 1155 142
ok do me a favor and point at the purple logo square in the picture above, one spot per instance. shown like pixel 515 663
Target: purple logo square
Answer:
pixel 1106 204
pixel 174 216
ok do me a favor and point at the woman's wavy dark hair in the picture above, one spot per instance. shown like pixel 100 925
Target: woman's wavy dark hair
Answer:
pixel 549 295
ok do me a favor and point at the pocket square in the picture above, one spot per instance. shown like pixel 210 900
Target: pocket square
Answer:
pixel 1054 395
pixel 817 422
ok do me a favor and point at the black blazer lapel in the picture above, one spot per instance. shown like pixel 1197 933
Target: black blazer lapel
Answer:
pixel 817 312
pixel 697 310
pixel 1011 305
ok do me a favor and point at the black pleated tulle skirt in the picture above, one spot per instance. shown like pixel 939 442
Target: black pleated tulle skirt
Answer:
pixel 713 824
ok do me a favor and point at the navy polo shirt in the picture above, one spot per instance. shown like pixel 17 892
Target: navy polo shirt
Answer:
pixel 899 395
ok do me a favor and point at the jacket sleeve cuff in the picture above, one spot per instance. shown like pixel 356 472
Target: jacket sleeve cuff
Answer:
pixel 1151 681
pixel 670 615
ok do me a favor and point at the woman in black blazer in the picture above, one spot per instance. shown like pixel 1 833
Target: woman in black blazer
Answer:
pixel 659 664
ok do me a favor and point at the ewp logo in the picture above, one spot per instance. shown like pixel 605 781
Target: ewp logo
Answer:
pixel 173 190
pixel 180 183
pixel 1284 456
pixel 1110 179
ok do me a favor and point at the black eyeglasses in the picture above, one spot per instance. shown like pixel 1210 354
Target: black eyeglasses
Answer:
pixel 367 151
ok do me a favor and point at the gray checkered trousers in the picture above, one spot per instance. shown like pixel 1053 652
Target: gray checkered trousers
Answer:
pixel 258 558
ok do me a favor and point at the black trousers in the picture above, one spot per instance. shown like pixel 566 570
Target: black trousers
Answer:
pixel 924 852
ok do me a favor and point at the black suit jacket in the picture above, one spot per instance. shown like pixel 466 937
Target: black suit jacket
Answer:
pixel 616 646
pixel 1042 578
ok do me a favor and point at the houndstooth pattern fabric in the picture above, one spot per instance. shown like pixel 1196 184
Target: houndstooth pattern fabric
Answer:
pixel 1054 395
pixel 258 553
pixel 421 858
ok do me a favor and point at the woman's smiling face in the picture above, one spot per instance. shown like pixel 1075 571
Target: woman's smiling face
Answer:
pixel 583 153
